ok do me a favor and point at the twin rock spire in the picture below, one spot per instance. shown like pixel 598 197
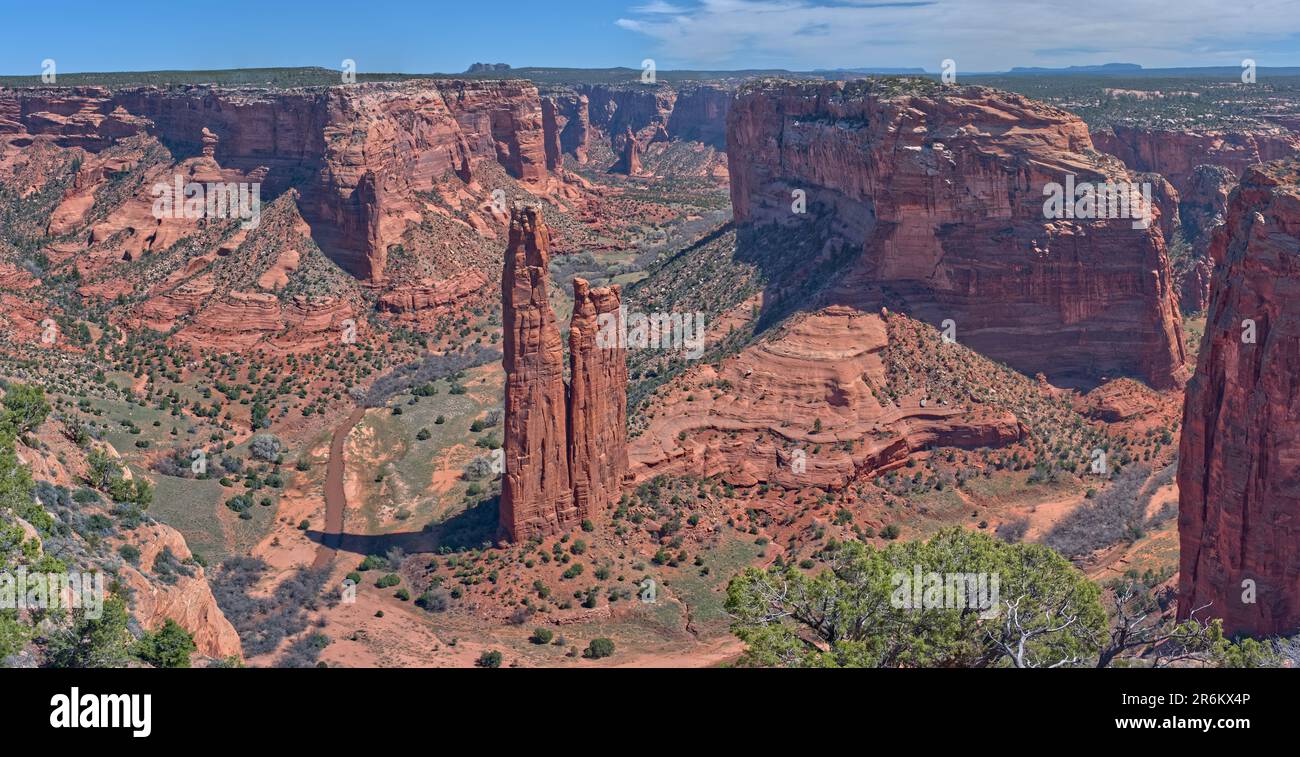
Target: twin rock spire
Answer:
pixel 565 445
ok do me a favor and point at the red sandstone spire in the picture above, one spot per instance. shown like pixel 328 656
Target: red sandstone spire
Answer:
pixel 597 399
pixel 536 496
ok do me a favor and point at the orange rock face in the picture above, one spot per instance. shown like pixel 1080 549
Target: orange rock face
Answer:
pixel 358 154
pixel 597 400
pixel 802 411
pixel 536 494
pixel 629 162
pixel 1175 154
pixel 1239 459
pixel 944 194
pixel 565 447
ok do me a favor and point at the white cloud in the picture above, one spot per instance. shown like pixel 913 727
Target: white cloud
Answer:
pixel 978 34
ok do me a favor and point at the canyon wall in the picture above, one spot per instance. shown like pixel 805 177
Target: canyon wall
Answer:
pixel 700 114
pixel 565 446
pixel 943 191
pixel 692 112
pixel 1175 153
pixel 1202 209
pixel 1239 459
pixel 359 154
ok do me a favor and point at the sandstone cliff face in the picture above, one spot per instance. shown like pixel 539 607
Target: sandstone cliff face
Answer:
pixel 358 154
pixel 188 601
pixel 943 191
pixel 1175 154
pixel 700 114
pixel 536 494
pixel 629 161
pixel 1239 459
pixel 565 446
pixel 597 401
pixel 693 112
pixel 1202 211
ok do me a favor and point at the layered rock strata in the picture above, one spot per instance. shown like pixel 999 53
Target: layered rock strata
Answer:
pixel 943 191
pixel 1239 458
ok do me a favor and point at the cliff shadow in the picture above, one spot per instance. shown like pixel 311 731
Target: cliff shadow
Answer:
pixel 472 528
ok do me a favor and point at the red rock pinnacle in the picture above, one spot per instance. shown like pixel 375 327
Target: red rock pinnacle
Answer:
pixel 597 399
pixel 536 495
pixel 565 447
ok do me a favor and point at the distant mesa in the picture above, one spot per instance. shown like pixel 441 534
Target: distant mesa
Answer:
pixel 487 68
pixel 1104 68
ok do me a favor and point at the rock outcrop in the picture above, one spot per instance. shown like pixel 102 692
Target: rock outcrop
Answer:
pixel 358 154
pixel 943 191
pixel 1239 459
pixel 1175 153
pixel 565 447
pixel 597 399
pixel 566 124
pixel 187 600
pixel 536 493
pixel 629 161
pixel 1202 210
pixel 804 409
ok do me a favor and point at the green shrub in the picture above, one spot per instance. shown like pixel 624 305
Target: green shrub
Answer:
pixel 599 648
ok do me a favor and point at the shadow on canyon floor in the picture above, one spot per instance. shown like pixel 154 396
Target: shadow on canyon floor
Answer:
pixel 472 528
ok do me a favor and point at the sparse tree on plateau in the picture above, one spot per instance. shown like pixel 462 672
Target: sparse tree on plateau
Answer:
pixel 1048 613
pixel 168 647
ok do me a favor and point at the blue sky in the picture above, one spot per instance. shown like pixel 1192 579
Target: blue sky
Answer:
pixel 442 36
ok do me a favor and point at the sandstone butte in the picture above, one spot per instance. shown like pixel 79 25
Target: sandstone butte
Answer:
pixel 565 447
pixel 1239 458
pixel 942 190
